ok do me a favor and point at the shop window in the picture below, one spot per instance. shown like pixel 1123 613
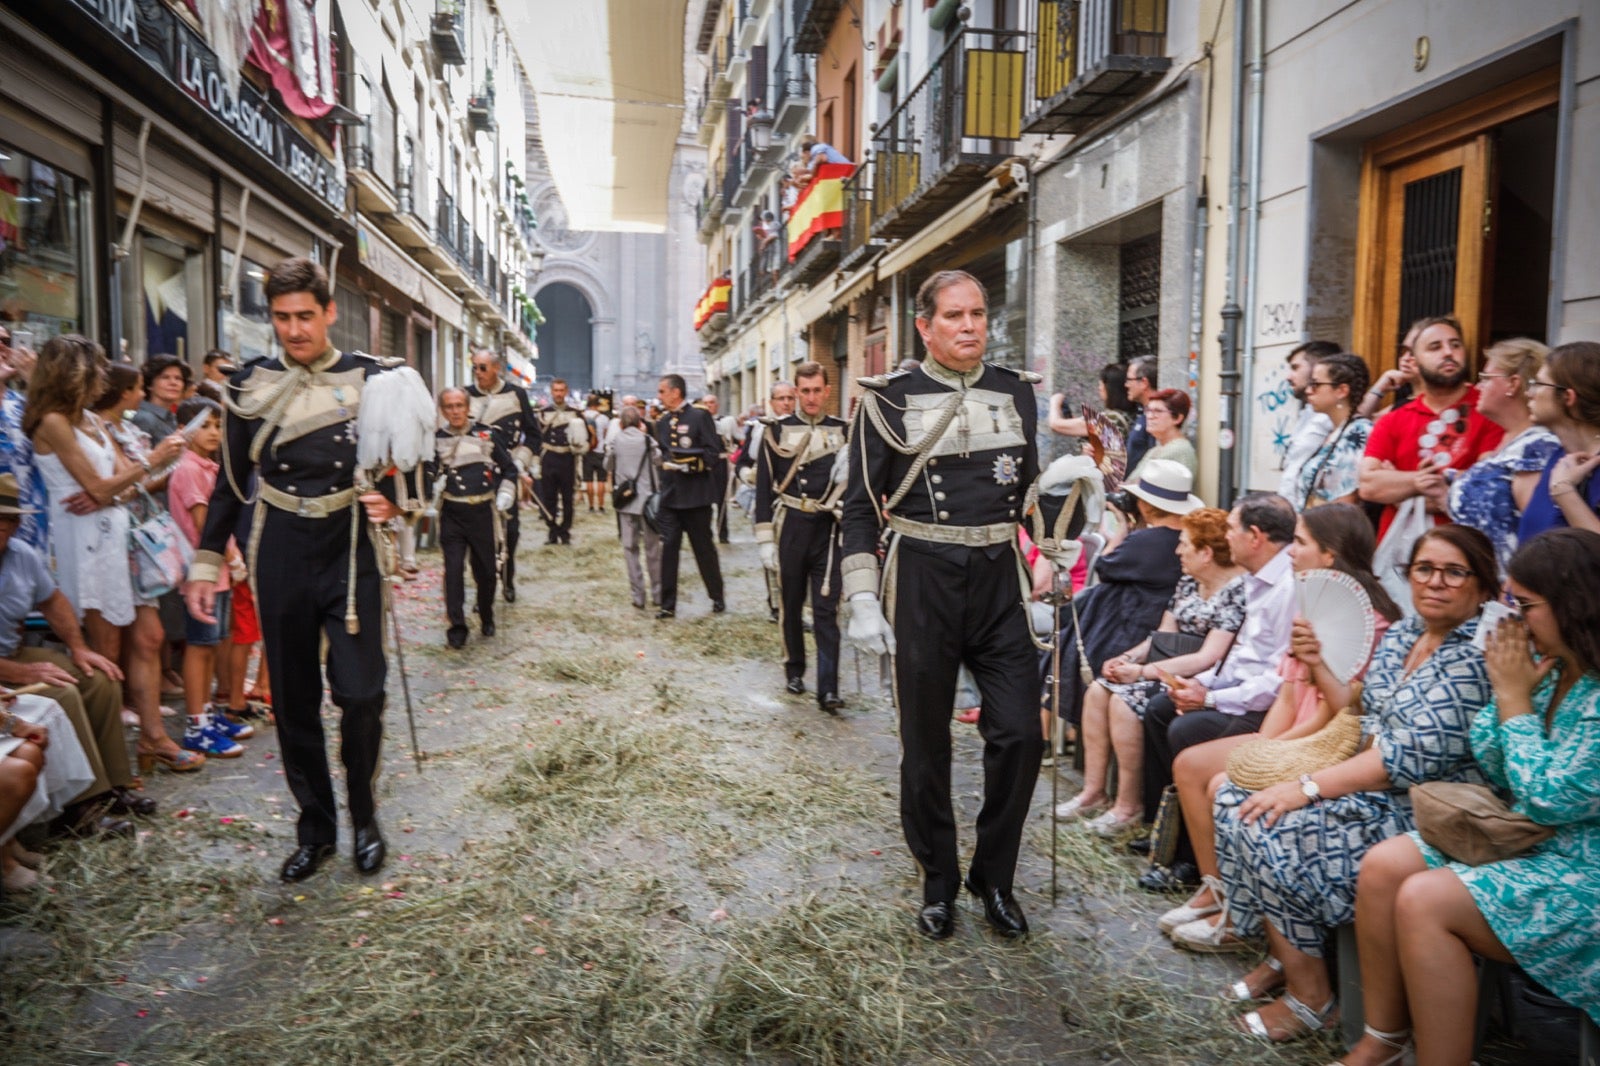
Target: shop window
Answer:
pixel 247 334
pixel 162 280
pixel 43 247
pixel 352 330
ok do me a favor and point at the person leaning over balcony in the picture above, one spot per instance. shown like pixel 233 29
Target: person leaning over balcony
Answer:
pixel 817 153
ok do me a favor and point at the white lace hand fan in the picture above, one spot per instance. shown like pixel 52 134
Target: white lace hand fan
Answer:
pixel 1340 611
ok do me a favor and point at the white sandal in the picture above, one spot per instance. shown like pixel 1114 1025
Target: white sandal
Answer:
pixel 1399 1040
pixel 1310 1020
pixel 1240 992
pixel 1188 912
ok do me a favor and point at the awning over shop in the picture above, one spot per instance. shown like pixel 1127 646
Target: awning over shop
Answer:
pixel 609 80
pixel 854 285
pixel 947 227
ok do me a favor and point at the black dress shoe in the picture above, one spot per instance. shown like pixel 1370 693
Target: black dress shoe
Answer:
pixel 456 637
pixel 937 920
pixel 92 817
pixel 305 861
pixel 1001 908
pixel 510 592
pixel 488 627
pixel 795 686
pixel 772 614
pixel 1179 877
pixel 664 613
pixel 370 849
pixel 127 801
pixel 830 702
pixel 718 606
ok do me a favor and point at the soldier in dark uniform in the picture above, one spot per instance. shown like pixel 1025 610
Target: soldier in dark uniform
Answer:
pixel 313 560
pixel 504 407
pixel 474 475
pixel 689 445
pixel 563 435
pixel 941 459
pixel 797 528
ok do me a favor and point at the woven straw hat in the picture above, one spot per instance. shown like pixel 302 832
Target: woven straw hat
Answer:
pixel 1258 764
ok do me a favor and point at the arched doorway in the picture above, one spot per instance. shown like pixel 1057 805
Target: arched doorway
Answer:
pixel 566 340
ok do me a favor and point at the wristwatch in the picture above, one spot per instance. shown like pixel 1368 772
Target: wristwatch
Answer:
pixel 1211 701
pixel 1310 788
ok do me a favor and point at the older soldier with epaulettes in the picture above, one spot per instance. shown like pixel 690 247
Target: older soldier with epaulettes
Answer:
pixel 473 475
pixel 941 457
pixel 504 407
pixel 797 528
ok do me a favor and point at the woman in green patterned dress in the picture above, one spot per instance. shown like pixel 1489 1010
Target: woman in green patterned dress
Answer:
pixel 1420 916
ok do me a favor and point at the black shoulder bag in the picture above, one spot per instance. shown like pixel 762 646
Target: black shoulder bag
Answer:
pixel 625 490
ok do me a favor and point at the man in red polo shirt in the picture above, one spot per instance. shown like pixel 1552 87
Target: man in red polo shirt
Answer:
pixel 1418 448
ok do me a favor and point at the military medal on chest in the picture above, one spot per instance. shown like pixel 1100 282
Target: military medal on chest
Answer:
pixel 1007 470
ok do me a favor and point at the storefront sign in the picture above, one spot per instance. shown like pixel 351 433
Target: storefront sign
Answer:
pixel 381 256
pixel 163 41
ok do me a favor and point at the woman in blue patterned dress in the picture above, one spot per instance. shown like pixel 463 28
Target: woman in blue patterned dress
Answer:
pixel 1421 916
pixel 1491 494
pixel 1331 474
pixel 1288 854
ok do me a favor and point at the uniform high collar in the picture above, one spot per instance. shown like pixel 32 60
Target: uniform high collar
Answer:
pixel 808 420
pixel 329 356
pixel 954 378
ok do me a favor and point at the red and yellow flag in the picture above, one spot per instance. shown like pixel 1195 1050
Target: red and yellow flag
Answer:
pixel 820 207
pixel 715 299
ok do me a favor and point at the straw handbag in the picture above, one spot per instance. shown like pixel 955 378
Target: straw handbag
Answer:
pixel 1257 764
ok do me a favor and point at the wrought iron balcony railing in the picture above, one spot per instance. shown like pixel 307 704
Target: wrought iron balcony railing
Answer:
pixel 1090 57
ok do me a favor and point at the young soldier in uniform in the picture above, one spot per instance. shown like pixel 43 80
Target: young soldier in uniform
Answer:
pixel 943 456
pixel 292 420
pixel 469 465
pixel 797 528
pixel 562 436
pixel 504 408
pixel 689 445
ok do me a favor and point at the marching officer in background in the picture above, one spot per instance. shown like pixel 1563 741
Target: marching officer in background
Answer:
pixel 563 435
pixel 941 459
pixel 689 446
pixel 504 408
pixel 313 559
pixel 474 476
pixel 797 528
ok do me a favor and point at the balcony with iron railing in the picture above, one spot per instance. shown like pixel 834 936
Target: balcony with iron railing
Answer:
pixel 444 225
pixel 960 121
pixel 480 111
pixel 1089 58
pixel 708 213
pixel 791 91
pixel 856 244
pixel 448 33
pixel 813 21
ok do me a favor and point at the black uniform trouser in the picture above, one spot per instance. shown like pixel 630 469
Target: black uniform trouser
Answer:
pixel 557 476
pixel 512 531
pixel 721 472
pixel 466 531
pixel 954 605
pixel 301 575
pixel 696 522
pixel 1166 733
pixel 805 563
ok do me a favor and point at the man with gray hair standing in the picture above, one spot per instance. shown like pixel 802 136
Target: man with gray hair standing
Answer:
pixel 504 408
pixel 943 456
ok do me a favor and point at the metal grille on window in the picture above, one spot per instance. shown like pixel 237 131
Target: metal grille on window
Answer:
pixel 351 331
pixel 1139 298
pixel 1428 242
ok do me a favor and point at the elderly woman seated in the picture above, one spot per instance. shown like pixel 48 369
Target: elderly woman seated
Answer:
pixel 1421 916
pixel 1288 854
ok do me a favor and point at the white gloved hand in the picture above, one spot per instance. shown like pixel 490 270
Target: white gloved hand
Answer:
pixel 505 497
pixel 841 467
pixel 748 475
pixel 1064 556
pixel 769 555
pixel 868 629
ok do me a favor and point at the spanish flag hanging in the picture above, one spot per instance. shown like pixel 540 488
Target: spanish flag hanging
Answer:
pixel 820 207
pixel 715 299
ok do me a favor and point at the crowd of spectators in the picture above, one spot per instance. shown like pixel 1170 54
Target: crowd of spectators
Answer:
pixel 1465 494
pixel 89 450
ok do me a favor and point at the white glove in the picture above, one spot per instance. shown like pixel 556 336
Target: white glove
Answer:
pixel 1064 556
pixel 841 467
pixel 769 556
pixel 748 475
pixel 439 484
pixel 505 497
pixel 868 629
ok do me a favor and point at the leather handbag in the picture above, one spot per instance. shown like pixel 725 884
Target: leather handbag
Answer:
pixel 158 553
pixel 625 490
pixel 1164 645
pixel 1471 824
pixel 652 511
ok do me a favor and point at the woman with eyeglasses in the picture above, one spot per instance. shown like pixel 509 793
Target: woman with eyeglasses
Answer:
pixel 1420 917
pixel 1332 473
pixel 1564 397
pixel 1288 854
pixel 1491 494
pixel 1164 415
